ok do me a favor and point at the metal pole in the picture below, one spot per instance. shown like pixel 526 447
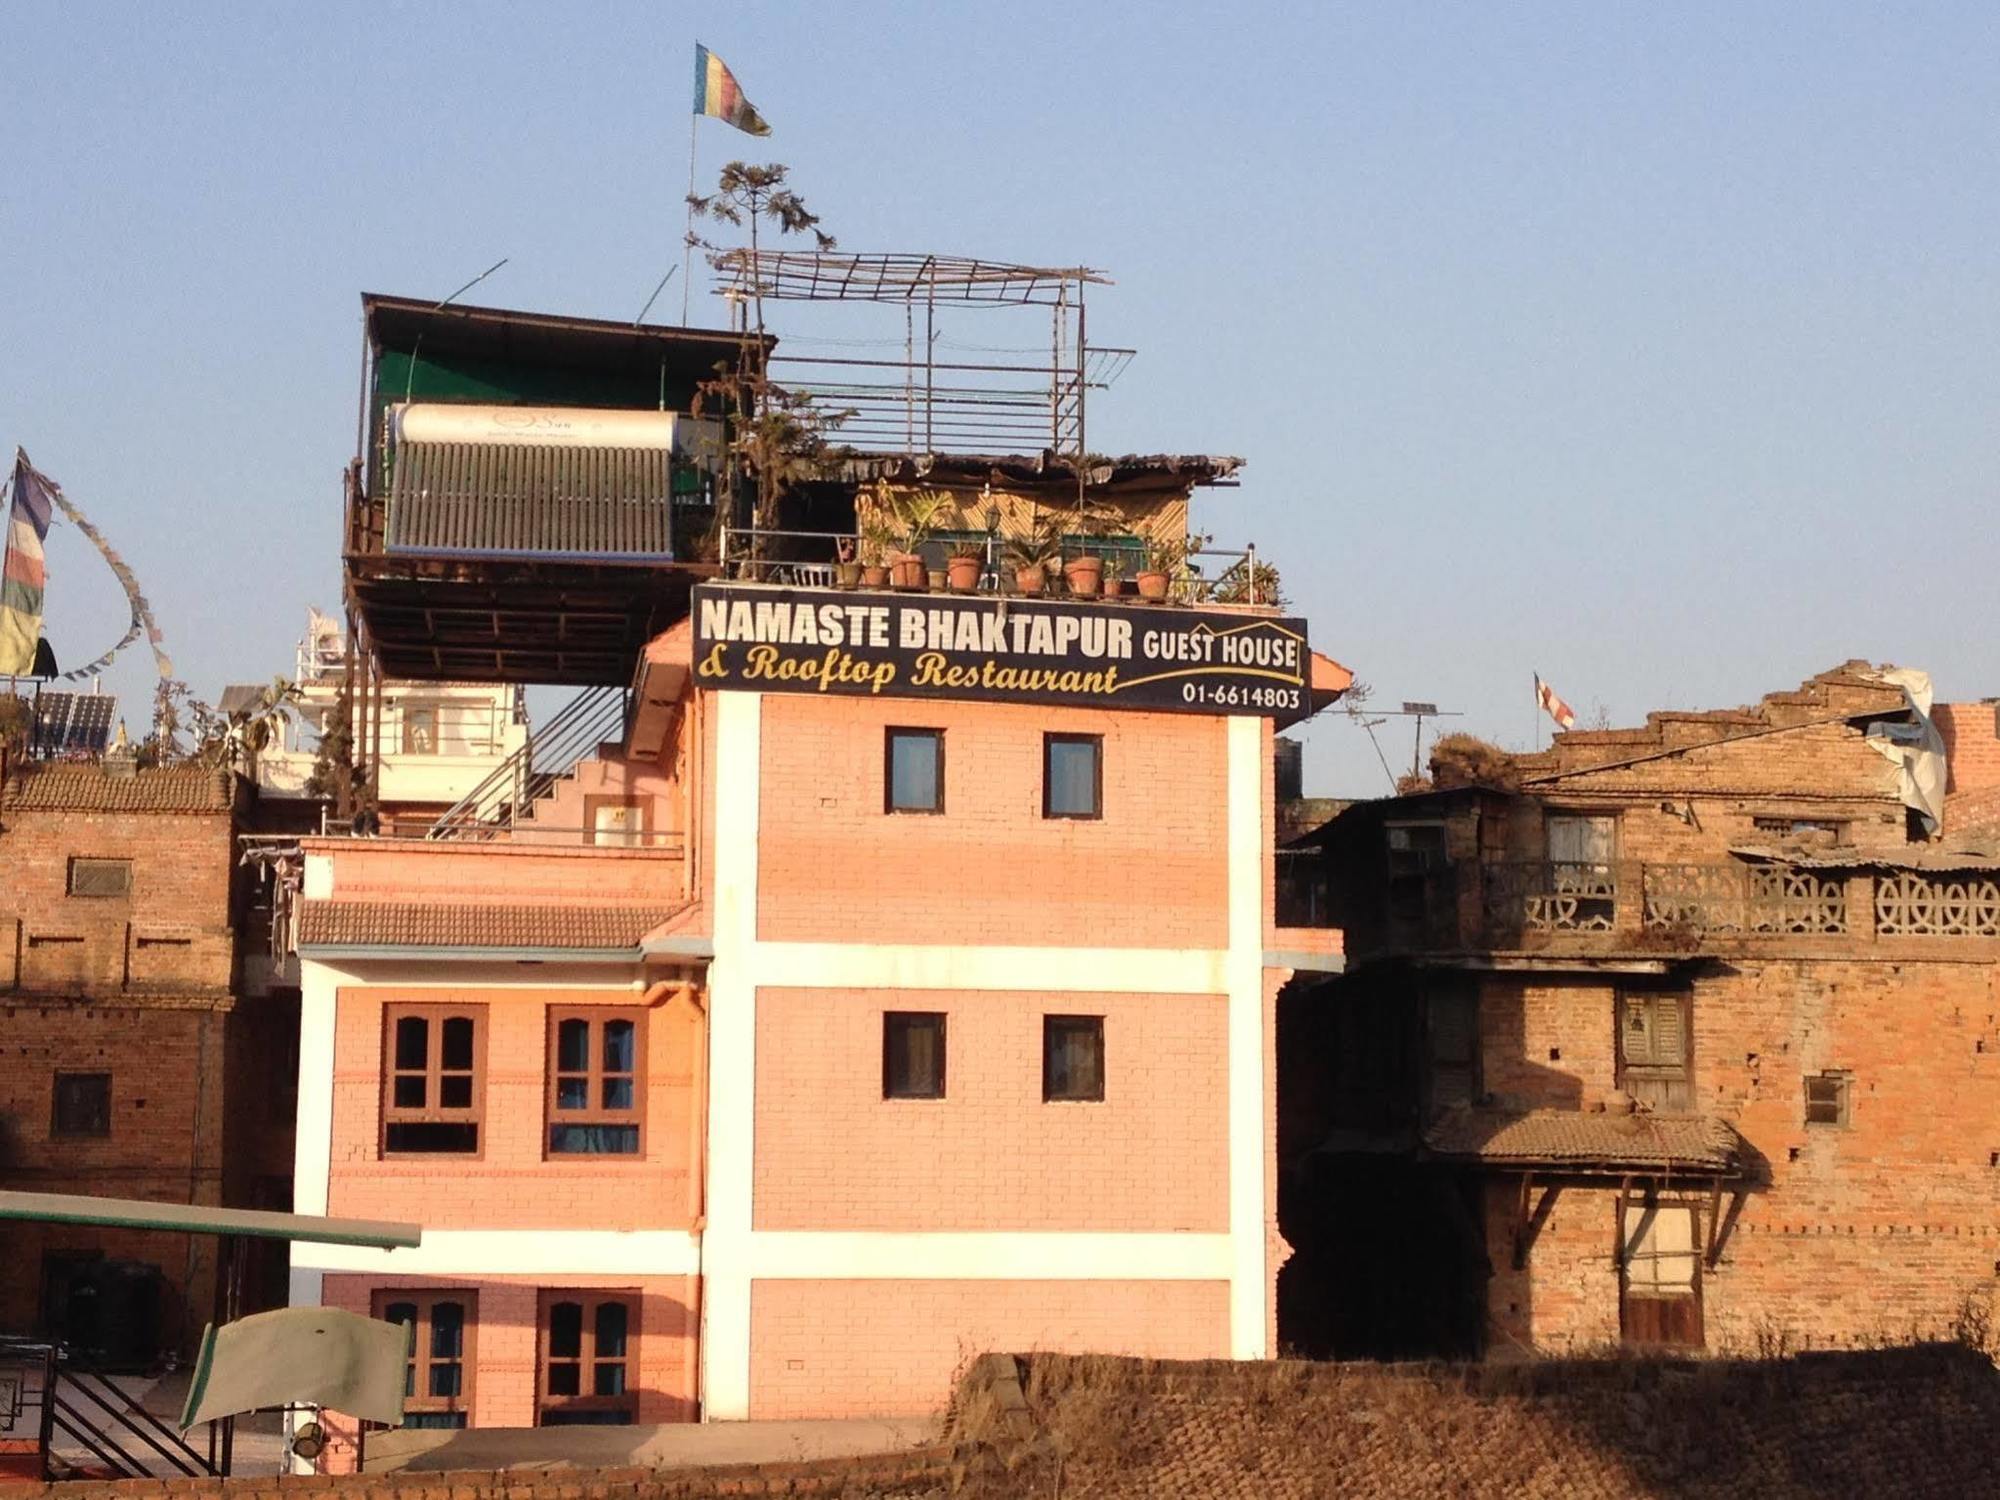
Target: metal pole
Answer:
pixel 930 353
pixel 1250 563
pixel 687 235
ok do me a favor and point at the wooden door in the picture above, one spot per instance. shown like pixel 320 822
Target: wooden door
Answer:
pixel 1660 1275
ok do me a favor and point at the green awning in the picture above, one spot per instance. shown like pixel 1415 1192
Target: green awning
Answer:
pixel 200 1218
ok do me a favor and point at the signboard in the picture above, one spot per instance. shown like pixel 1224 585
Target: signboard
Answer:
pixel 1007 649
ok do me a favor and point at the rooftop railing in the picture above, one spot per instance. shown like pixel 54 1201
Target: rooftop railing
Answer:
pixel 823 559
pixel 1534 904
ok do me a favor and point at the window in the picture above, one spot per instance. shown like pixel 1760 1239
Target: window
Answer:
pixel 1653 1048
pixel 437 1380
pixel 615 823
pixel 420 730
pixel 1827 1098
pixel 1418 897
pixel 589 1355
pixel 100 877
pixel 82 1104
pixel 596 1082
pixel 913 781
pixel 434 1079
pixel 1072 776
pixel 1660 1270
pixel 912 1054
pixel 1451 1023
pixel 1072 1057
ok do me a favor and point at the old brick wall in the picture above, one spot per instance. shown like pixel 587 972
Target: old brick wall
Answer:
pixel 165 1139
pixel 1848 1233
pixel 137 986
pixel 1971 734
pixel 834 867
pixel 832 1153
pixel 512 1184
pixel 870 1348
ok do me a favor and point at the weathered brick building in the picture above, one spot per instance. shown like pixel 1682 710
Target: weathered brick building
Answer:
pixel 1683 1035
pixel 130 1066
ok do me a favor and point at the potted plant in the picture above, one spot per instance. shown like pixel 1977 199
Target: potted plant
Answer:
pixel 963 567
pixel 876 535
pixel 1085 575
pixel 1033 553
pixel 846 566
pixel 916 516
pixel 1163 559
pixel 1114 577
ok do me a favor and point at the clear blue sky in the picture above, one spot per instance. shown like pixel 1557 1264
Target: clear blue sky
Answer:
pixel 1653 347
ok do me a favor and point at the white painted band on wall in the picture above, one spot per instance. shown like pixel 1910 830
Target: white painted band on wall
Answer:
pixel 732 1059
pixel 1249 1100
pixel 548 1254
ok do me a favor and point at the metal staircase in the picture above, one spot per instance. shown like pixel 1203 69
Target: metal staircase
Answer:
pixel 502 800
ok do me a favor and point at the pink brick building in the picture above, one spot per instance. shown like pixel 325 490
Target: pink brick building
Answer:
pixel 893 981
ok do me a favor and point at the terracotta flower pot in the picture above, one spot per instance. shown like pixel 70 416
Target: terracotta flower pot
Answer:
pixel 1152 585
pixel 874 576
pixel 847 575
pixel 962 573
pixel 908 572
pixel 1031 580
pixel 1114 588
pixel 1085 576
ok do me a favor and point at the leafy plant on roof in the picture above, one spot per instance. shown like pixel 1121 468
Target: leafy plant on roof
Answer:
pixel 781 435
pixel 1243 582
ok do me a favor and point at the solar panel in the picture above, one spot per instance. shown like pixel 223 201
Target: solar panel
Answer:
pixel 73 723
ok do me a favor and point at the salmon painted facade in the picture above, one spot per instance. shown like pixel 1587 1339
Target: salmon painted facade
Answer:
pixel 894 982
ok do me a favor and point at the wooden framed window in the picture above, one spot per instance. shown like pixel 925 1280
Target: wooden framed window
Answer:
pixel 82 1105
pixel 1451 1033
pixel 437 1380
pixel 1659 1268
pixel 433 1080
pixel 597 1081
pixel 1654 1029
pixel 1417 895
pixel 1827 1098
pixel 913 1054
pixel 1072 1058
pixel 913 771
pixel 590 1359
pixel 100 877
pixel 1072 775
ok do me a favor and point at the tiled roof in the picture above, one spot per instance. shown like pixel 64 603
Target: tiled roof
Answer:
pixel 87 788
pixel 1557 1137
pixel 402 925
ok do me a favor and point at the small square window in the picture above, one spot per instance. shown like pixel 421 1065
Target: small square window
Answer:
pixel 1072 776
pixel 100 877
pixel 1072 1057
pixel 914 780
pixel 913 1054
pixel 82 1104
pixel 1827 1098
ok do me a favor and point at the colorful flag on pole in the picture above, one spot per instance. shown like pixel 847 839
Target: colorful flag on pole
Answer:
pixel 24 572
pixel 716 93
pixel 1554 707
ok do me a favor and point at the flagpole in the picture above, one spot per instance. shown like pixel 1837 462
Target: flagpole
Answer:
pixel 687 235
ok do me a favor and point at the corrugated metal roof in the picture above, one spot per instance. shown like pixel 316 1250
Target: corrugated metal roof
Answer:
pixel 1562 1137
pixel 335 924
pixel 1914 857
pixel 490 500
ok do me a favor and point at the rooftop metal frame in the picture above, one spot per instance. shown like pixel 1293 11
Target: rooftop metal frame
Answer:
pixel 921 403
